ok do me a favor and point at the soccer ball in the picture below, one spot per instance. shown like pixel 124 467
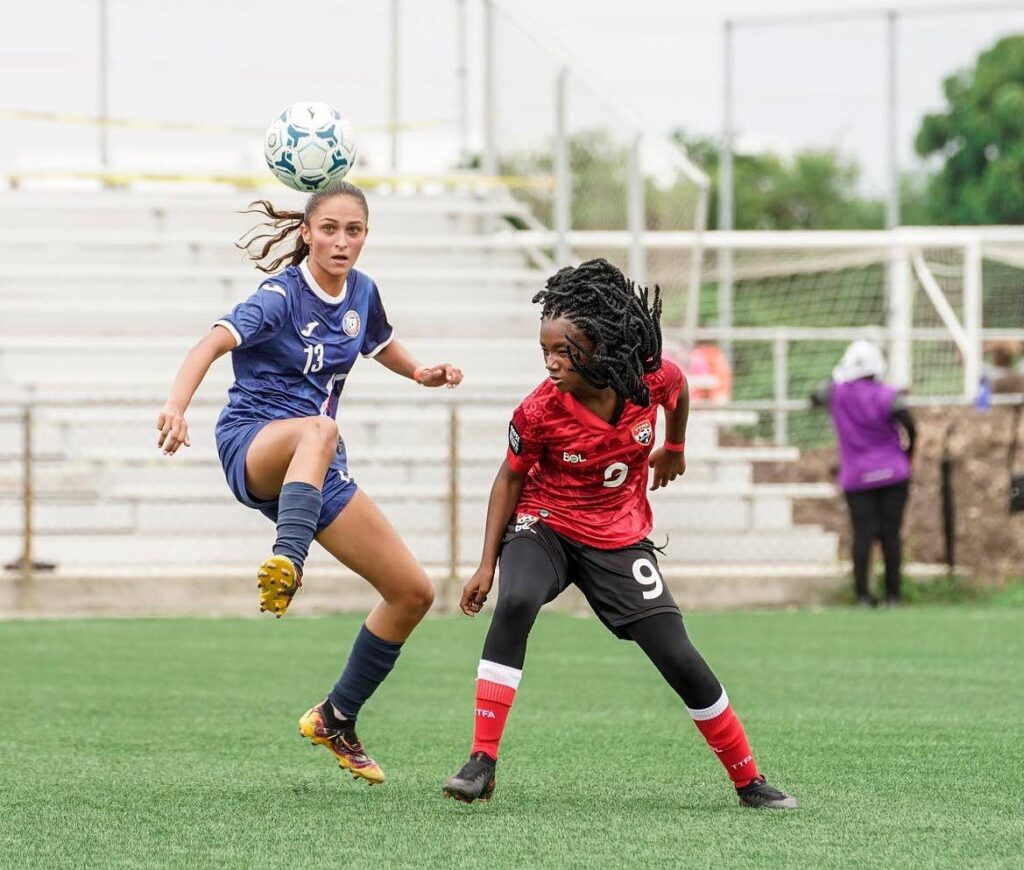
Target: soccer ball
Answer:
pixel 309 146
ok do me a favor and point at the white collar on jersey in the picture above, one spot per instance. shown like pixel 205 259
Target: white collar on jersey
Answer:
pixel 319 291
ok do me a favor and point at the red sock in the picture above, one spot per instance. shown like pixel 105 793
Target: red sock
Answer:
pixel 726 737
pixel 495 691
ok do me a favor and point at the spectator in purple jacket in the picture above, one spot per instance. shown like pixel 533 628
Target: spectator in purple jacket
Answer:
pixel 874 461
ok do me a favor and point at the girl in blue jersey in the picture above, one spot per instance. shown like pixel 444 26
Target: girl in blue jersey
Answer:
pixel 293 343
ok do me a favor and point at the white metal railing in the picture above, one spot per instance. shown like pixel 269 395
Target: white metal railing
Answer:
pixel 25 411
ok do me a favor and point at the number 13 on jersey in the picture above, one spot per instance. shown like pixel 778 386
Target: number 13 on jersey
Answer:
pixel 314 358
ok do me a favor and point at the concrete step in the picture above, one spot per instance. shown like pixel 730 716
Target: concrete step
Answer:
pixel 219 288
pixel 435 455
pixel 130 249
pixel 227 589
pixel 793 546
pixel 144 361
pixel 152 510
pixel 114 367
pixel 58 432
pixel 37 211
pixel 160 317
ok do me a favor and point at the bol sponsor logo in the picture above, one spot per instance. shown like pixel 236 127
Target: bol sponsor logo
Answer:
pixel 350 322
pixel 573 457
pixel 643 433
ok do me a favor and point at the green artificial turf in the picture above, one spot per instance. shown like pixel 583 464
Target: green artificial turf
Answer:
pixel 174 743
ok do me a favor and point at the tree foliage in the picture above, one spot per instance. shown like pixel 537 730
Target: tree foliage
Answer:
pixel 979 141
pixel 815 189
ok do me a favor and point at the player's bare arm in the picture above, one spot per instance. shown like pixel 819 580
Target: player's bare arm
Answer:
pixel 171 420
pixel 508 484
pixel 669 462
pixel 397 358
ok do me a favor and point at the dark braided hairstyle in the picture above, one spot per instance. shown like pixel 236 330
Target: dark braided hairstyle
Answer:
pixel 267 235
pixel 620 320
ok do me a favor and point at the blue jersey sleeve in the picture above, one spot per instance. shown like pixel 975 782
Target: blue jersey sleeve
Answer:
pixel 379 332
pixel 259 317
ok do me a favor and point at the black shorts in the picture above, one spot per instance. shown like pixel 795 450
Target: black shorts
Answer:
pixel 621 586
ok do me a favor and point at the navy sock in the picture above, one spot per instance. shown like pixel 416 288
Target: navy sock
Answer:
pixel 370 661
pixel 298 510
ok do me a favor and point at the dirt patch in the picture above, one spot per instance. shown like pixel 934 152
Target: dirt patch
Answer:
pixel 989 540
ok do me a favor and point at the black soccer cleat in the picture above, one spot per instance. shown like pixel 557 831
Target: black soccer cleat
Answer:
pixel 474 782
pixel 759 794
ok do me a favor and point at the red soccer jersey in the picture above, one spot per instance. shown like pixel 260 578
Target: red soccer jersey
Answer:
pixel 587 479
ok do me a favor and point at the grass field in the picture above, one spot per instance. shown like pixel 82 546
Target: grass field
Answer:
pixel 174 743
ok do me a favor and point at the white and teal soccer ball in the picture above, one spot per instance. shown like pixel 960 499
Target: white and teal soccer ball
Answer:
pixel 309 146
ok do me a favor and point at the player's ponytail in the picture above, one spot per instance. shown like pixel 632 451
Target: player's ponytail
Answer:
pixel 282 224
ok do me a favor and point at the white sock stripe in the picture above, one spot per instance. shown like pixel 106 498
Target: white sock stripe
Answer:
pixel 503 675
pixel 711 712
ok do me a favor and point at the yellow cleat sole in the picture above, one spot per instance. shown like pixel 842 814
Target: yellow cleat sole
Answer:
pixel 278 582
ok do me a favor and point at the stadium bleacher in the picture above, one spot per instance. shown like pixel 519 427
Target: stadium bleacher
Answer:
pixel 102 293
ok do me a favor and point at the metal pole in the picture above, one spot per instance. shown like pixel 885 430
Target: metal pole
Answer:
pixel 101 83
pixel 725 191
pixel 973 316
pixel 636 217
pixel 27 499
pixel 395 13
pixel 725 188
pixel 901 318
pixel 892 209
pixel 462 81
pixel 696 271
pixel 897 278
pixel 453 506
pixel 780 351
pixel 563 172
pixel 490 158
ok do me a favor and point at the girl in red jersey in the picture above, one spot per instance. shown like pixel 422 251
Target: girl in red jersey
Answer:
pixel 569 506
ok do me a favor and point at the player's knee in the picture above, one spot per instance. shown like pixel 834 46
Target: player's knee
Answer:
pixel 517 606
pixel 417 598
pixel 324 431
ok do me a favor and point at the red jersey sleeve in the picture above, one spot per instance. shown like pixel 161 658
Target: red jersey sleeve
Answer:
pixel 523 447
pixel 665 384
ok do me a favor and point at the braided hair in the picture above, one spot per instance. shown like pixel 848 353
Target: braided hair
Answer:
pixel 619 318
pixel 283 224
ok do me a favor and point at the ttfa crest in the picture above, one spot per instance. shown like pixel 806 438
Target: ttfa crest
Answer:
pixel 643 433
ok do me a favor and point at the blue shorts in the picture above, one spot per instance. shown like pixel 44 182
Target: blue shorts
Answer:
pixel 232 446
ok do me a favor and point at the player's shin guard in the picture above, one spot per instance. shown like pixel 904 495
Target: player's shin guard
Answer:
pixel 298 512
pixel 495 691
pixel 724 734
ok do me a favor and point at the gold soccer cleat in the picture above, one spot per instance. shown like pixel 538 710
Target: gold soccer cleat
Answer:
pixel 342 742
pixel 278 581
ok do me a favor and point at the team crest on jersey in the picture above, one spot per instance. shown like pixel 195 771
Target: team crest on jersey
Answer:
pixel 350 322
pixel 643 433
pixel 525 523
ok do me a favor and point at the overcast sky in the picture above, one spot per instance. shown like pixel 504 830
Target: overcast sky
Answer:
pixel 238 62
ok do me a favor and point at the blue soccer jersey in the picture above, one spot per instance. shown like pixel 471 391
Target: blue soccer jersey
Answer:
pixel 296 345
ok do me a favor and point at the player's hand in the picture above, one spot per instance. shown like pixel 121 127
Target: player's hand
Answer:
pixel 443 375
pixel 474 593
pixel 667 465
pixel 173 430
